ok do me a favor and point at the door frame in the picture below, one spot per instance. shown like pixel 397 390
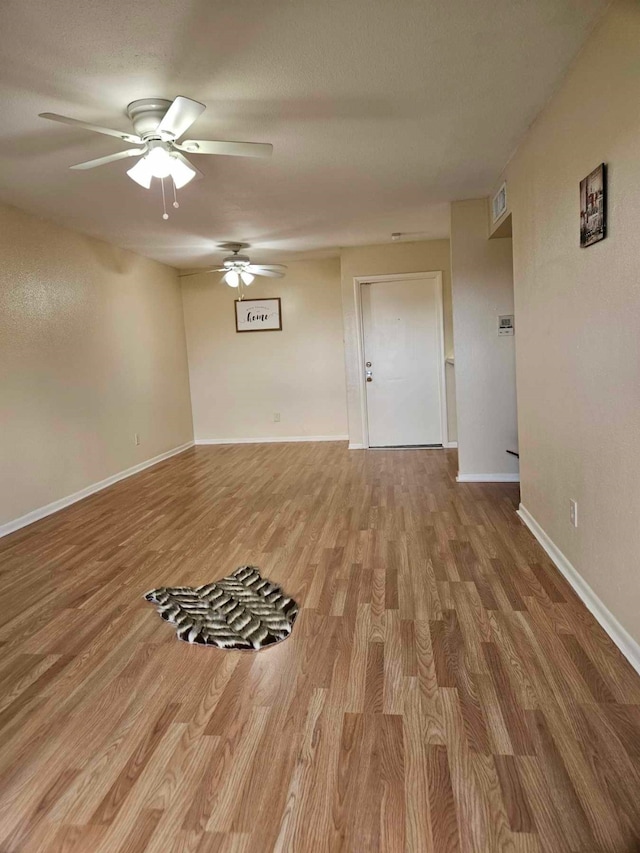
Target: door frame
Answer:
pixel 358 281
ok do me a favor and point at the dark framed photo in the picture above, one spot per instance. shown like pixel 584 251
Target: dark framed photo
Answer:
pixel 258 315
pixel 593 207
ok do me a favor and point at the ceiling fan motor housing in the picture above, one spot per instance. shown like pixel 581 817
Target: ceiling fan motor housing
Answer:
pixel 236 261
pixel 146 114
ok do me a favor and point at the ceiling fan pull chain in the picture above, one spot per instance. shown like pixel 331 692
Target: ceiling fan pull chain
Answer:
pixel 165 215
pixel 175 193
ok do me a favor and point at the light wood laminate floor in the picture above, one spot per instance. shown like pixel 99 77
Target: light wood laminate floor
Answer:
pixel 443 688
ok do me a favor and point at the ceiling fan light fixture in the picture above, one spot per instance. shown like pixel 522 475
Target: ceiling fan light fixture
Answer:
pixel 232 278
pixel 160 164
pixel 238 270
pixel 158 125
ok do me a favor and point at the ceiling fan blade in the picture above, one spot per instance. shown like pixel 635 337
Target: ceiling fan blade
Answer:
pixel 270 272
pixel 188 163
pixel 110 158
pixel 231 149
pixel 181 115
pixel 199 272
pixel 275 267
pixel 96 128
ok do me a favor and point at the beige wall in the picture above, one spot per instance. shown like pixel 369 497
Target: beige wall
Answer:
pixel 91 351
pixel 239 381
pixel 482 283
pixel 388 259
pixel 578 316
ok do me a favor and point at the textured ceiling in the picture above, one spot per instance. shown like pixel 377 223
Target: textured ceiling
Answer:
pixel 380 112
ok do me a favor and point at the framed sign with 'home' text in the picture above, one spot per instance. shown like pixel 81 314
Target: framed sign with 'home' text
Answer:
pixel 258 315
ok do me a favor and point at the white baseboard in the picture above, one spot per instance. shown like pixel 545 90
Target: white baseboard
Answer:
pixel 487 478
pixel 49 509
pixel 359 446
pixel 620 636
pixel 272 439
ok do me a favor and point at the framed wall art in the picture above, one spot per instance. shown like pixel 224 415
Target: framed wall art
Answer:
pixel 593 207
pixel 258 315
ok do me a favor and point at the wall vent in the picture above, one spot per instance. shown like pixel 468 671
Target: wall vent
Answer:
pixel 499 204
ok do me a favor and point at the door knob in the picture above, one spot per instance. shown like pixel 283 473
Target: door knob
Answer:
pixel 369 376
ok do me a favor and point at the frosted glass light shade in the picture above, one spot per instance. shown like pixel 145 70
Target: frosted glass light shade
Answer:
pixel 232 278
pixel 246 277
pixel 181 173
pixel 141 174
pixel 159 162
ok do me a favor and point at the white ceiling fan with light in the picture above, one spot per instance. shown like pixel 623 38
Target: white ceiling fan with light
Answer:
pixel 238 269
pixel 158 125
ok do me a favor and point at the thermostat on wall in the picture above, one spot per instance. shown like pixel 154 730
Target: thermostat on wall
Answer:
pixel 505 324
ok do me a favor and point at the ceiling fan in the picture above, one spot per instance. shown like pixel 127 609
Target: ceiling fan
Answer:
pixel 239 270
pixel 158 125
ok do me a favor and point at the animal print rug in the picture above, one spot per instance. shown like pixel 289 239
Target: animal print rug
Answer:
pixel 241 611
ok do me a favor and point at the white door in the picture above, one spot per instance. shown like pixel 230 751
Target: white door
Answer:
pixel 402 329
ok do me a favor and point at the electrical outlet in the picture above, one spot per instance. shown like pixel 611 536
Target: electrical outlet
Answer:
pixel 573 512
pixel 136 438
pixel 276 417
